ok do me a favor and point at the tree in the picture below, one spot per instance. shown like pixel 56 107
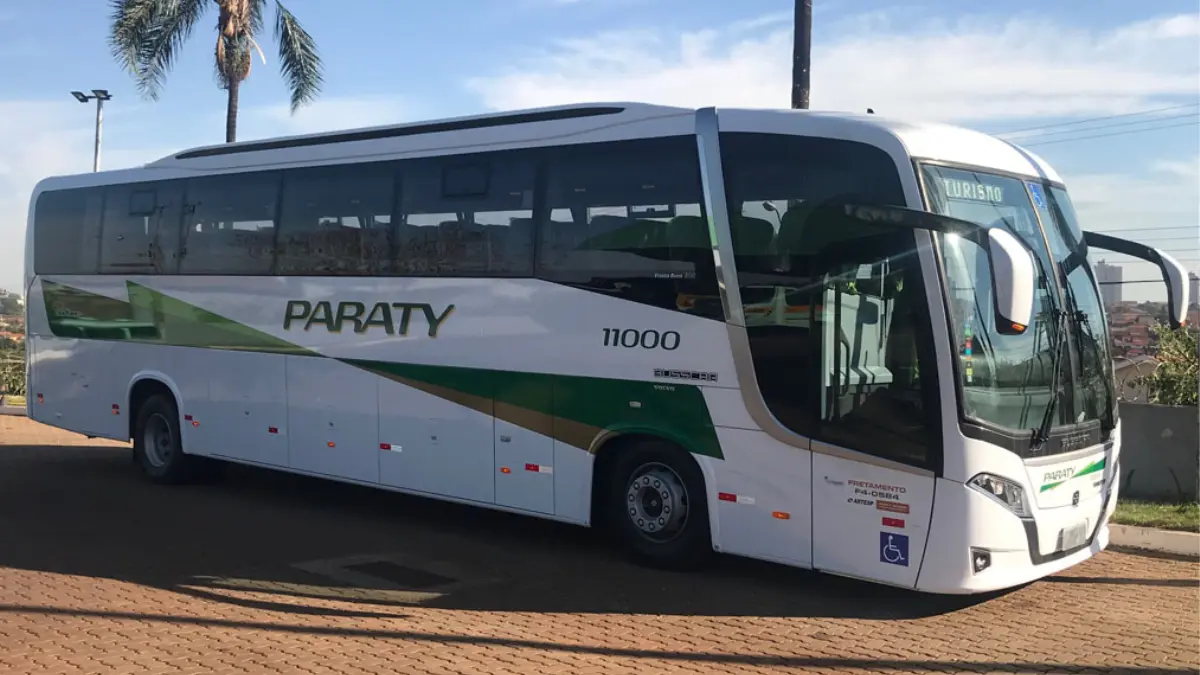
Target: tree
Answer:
pixel 10 305
pixel 147 36
pixel 12 368
pixel 1175 380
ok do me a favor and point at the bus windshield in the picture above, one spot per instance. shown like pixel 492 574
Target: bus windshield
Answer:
pixel 1007 380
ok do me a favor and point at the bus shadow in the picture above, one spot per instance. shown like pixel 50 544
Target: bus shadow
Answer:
pixel 267 540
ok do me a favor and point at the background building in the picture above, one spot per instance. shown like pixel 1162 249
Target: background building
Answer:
pixel 1109 278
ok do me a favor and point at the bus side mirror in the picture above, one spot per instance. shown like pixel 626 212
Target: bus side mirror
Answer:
pixel 1014 274
pixel 1013 280
pixel 1173 274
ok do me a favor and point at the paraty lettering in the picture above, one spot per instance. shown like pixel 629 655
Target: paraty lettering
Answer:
pixel 393 318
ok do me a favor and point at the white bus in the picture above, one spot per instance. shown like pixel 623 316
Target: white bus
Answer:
pixel 824 340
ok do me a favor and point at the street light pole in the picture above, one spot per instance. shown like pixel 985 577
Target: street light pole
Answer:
pixel 101 95
pixel 801 53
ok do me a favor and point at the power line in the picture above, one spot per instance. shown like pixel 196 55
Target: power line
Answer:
pixel 1115 133
pixel 1098 119
pixel 1193 238
pixel 1102 127
pixel 1150 229
pixel 1168 251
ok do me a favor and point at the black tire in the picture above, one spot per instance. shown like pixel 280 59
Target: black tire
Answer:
pixel 659 468
pixel 158 445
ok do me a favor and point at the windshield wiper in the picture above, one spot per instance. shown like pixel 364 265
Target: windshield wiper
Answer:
pixel 1042 434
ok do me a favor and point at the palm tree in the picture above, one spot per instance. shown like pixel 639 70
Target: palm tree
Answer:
pixel 147 35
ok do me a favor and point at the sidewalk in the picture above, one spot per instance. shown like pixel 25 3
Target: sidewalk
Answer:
pixel 12 405
pixel 1151 539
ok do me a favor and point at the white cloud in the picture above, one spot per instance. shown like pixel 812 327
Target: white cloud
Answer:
pixel 971 69
pixel 1114 201
pixel 1189 169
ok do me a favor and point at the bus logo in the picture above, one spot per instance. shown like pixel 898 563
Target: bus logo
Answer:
pixel 392 318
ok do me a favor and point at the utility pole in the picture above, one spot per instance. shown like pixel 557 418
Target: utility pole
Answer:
pixel 801 53
pixel 101 95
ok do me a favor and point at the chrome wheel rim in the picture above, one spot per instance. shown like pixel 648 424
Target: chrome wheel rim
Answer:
pixel 656 502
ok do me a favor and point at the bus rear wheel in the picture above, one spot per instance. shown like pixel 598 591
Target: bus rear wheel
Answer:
pixel 657 507
pixel 158 445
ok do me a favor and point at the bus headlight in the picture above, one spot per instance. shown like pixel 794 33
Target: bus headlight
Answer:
pixel 1004 491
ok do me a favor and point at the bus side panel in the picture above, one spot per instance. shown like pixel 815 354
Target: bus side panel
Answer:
pixel 759 501
pixel 573 469
pixel 433 445
pixel 74 376
pixel 869 521
pixel 333 419
pixel 244 406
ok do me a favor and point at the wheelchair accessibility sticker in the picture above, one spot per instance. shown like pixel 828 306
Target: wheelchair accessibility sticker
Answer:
pixel 893 549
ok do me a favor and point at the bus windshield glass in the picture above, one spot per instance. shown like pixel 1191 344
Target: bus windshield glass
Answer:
pixel 1007 380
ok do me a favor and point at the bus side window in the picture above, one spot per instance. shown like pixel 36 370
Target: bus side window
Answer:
pixel 626 219
pixel 336 220
pixel 467 216
pixel 138 231
pixel 229 224
pixel 871 394
pixel 66 231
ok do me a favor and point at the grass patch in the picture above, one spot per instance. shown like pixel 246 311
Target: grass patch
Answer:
pixel 13 401
pixel 1166 516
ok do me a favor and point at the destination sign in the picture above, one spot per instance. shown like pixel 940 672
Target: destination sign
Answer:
pixel 973 191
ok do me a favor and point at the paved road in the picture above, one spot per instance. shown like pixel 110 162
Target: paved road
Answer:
pixel 265 573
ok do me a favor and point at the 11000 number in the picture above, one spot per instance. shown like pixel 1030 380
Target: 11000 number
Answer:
pixel 631 338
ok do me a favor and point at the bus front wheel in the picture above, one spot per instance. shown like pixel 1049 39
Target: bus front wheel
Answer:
pixel 657 506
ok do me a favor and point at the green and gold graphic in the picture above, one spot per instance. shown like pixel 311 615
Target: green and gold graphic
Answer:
pixel 572 409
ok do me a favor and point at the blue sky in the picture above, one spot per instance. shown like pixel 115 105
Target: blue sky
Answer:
pixel 1020 65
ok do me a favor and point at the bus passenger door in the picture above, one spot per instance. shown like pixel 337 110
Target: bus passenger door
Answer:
pixel 872 492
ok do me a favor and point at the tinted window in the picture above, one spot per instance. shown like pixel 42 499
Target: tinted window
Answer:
pixel 66 231
pixel 336 220
pixel 229 224
pixel 466 216
pixel 1005 379
pixel 626 219
pixel 835 309
pixel 140 228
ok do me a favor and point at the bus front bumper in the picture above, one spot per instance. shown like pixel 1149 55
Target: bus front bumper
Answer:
pixel 977 545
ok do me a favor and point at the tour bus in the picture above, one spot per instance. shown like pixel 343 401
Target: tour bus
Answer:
pixel 833 341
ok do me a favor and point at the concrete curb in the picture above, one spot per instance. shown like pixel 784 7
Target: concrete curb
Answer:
pixel 1151 539
pixel 9 410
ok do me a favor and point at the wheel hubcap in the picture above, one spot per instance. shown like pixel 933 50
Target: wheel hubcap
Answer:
pixel 657 502
pixel 160 445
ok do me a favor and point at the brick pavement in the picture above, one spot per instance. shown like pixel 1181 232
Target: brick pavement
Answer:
pixel 103 573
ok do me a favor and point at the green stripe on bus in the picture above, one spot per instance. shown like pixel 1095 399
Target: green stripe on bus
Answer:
pixel 572 409
pixel 152 317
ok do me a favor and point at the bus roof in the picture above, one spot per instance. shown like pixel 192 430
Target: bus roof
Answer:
pixel 582 123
